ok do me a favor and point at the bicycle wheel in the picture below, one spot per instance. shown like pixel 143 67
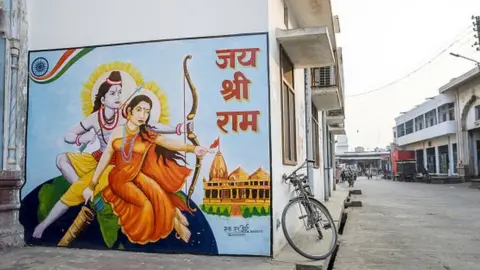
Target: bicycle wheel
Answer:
pixel 315 219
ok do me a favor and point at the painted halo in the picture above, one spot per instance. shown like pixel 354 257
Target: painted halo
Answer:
pixel 132 79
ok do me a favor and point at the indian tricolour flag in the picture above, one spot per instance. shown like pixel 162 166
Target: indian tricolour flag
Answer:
pixel 68 58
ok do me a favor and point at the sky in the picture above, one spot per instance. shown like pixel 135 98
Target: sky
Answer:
pixel 383 41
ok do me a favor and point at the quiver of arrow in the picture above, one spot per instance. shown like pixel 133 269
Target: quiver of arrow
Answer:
pixel 84 218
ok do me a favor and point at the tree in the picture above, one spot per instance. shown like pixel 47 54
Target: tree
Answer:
pixel 263 212
pixel 246 213
pixel 226 212
pixel 210 210
pixel 218 212
pixel 255 212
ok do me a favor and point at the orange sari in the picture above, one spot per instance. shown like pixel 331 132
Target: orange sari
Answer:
pixel 142 191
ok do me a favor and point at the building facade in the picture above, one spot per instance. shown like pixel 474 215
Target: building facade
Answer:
pixel 363 160
pixel 466 89
pixel 283 60
pixel 341 145
pixel 430 130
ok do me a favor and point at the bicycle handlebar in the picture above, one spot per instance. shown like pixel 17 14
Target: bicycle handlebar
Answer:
pixel 285 177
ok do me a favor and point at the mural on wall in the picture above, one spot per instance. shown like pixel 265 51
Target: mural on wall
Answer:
pixel 158 146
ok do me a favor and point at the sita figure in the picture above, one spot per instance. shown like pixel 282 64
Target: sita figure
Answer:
pixel 145 177
pixel 78 168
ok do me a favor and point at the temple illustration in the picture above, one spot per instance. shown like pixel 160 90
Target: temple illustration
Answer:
pixel 237 190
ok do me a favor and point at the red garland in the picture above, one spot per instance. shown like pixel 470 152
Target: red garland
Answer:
pixel 103 124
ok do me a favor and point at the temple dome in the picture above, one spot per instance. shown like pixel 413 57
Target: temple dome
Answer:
pixel 260 175
pixel 238 174
pixel 218 170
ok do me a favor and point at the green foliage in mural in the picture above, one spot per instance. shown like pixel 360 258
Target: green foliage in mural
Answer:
pixel 108 223
pixel 246 213
pixel 216 210
pixel 49 195
pixel 255 212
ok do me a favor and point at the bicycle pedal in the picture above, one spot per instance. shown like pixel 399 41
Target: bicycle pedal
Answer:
pixel 302 217
pixel 327 226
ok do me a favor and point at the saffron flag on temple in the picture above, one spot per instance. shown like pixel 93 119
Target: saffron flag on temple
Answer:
pixel 215 143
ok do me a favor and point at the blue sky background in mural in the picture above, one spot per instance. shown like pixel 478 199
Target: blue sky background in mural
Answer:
pixel 55 107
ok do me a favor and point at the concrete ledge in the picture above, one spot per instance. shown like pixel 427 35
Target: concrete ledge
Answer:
pixel 353 204
pixel 355 192
pixel 327 98
pixel 307 47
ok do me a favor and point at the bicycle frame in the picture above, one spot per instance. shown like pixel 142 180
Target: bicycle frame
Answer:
pixel 298 181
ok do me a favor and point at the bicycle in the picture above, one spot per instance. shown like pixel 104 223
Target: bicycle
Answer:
pixel 313 217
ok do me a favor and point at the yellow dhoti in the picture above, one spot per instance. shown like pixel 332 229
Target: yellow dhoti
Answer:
pixel 84 165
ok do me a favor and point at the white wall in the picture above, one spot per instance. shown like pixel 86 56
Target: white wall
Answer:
pixel 282 192
pixel 341 146
pixel 435 142
pixel 470 121
pixel 438 130
pixel 425 107
pixel 55 24
pixel 69 23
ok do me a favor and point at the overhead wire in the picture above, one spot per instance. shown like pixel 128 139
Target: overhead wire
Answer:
pixel 462 35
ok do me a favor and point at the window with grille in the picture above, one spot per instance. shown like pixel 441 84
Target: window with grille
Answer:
pixel 401 130
pixel 477 112
pixel 419 123
pixel 451 111
pixel 409 127
pixel 288 110
pixel 443 113
pixel 431 118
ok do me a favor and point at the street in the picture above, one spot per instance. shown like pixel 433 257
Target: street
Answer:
pixel 411 226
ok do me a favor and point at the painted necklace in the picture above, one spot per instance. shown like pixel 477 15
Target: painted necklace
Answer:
pixel 105 123
pixel 108 123
pixel 127 156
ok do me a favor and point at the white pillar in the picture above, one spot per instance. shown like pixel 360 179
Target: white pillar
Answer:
pixel 451 165
pixel 425 159
pixel 437 160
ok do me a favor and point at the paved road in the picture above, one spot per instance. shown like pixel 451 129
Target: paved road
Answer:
pixel 412 226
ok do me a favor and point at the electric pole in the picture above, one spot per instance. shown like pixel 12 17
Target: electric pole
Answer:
pixel 476 28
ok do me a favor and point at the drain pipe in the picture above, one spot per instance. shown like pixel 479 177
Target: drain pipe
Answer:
pixel 308 129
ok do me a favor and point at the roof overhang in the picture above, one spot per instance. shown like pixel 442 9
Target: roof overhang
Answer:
pixel 326 98
pixel 360 158
pixel 336 117
pixel 313 13
pixel 307 47
pixel 337 130
pixel 459 81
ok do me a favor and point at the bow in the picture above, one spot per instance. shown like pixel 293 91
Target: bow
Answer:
pixel 190 135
